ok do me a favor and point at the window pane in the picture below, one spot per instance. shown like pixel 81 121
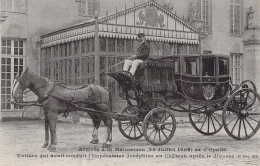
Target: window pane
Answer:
pixel 191 66
pixel 8 68
pixel 9 43
pixel 3 42
pixel 20 43
pixel 21 61
pixel 15 61
pixel 208 66
pixel 16 43
pixel 9 61
pixel 8 50
pixel 223 66
pixel 15 51
pixel 3 50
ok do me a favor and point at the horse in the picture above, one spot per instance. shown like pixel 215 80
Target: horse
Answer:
pixel 56 98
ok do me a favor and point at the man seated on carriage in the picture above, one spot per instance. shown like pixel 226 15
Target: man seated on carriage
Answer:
pixel 135 60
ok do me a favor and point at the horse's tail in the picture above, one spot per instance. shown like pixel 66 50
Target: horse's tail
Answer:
pixel 110 101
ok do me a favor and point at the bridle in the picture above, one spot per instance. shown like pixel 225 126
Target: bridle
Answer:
pixel 23 87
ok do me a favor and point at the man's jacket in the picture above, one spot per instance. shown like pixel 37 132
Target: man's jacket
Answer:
pixel 143 51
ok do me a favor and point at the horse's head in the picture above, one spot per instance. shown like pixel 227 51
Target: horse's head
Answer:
pixel 20 84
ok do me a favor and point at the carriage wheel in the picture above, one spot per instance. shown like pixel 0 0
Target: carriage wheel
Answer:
pixel 208 123
pixel 159 126
pixel 241 115
pixel 131 129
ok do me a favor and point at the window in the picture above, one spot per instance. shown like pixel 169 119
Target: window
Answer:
pixel 12 47
pixel 235 17
pixel 201 10
pixel 208 66
pixel 76 47
pixel 102 44
pixel 129 45
pixel 82 7
pixel 120 45
pixel 6 46
pixel 191 66
pixel 235 67
pixel 93 5
pixel 12 62
pixel 205 15
pixel 56 71
pixel 111 44
pixel 18 47
pixel 223 66
pixel 14 6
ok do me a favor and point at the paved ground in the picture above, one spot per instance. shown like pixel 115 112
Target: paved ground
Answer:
pixel 20 140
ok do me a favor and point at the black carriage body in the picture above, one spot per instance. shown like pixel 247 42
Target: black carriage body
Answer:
pixel 198 77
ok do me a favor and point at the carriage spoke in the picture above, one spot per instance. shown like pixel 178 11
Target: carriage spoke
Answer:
pixel 208 124
pixel 203 123
pixel 127 127
pixel 165 118
pixel 244 127
pixel 239 128
pixel 159 136
pixel 155 135
pixel 130 131
pixel 249 124
pixel 138 129
pixel 231 121
pixel 213 123
pixel 253 119
pixel 153 120
pixel 200 119
pixel 151 133
pixel 234 126
pixel 217 114
pixel 168 129
pixel 253 113
pixel 164 134
pixel 216 120
pixel 168 123
pixel 134 132
pixel 164 114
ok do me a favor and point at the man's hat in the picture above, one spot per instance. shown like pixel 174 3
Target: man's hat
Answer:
pixel 140 35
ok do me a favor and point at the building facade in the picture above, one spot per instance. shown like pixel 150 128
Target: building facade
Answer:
pixel 69 55
pixel 25 21
pixel 67 51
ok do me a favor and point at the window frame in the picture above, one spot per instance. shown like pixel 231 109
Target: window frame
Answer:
pixel 90 8
pixel 14 6
pixel 12 46
pixel 236 58
pixel 234 5
pixel 197 60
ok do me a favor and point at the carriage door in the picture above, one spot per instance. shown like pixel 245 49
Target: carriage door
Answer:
pixel 12 63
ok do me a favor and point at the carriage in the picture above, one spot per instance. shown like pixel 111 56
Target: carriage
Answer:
pixel 199 85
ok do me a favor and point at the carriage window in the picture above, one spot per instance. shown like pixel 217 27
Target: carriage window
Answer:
pixel 208 66
pixel 223 66
pixel 191 66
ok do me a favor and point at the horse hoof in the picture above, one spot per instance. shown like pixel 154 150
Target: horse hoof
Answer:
pixel 51 148
pixel 105 145
pixel 94 141
pixel 45 145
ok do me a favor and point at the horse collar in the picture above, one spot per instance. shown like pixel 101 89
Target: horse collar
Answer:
pixel 47 92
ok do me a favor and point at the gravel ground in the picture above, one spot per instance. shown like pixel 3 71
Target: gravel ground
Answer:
pixel 20 143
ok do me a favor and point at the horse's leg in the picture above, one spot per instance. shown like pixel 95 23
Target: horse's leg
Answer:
pixel 96 122
pixel 46 119
pixel 108 123
pixel 53 121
